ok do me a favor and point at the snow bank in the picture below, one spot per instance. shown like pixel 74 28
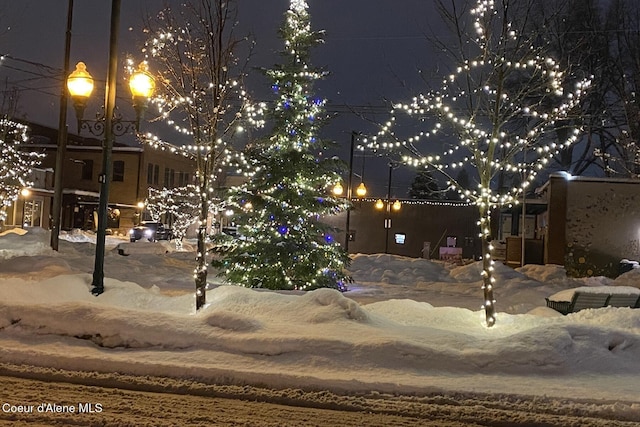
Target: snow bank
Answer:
pixel 405 328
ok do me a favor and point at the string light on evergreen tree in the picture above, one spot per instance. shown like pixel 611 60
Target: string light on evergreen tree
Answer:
pixel 284 244
pixel 498 104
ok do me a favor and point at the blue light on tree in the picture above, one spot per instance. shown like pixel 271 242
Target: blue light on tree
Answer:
pixel 283 229
pixel 285 244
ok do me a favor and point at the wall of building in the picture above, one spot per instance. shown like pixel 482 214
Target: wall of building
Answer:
pixel 34 208
pixel 556 218
pixel 603 226
pixel 599 227
pixel 82 166
pixel 420 222
pixel 164 160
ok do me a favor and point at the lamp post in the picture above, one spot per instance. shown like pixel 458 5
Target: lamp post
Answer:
pixel 524 207
pixel 361 191
pixel 56 209
pixel 80 85
pixel 395 206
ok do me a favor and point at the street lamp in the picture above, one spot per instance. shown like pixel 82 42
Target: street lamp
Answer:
pixel 395 206
pixel 80 85
pixel 142 85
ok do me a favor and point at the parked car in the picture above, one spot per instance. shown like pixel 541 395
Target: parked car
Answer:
pixel 150 230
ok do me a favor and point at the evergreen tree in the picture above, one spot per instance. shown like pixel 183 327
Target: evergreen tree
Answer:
pixel 425 186
pixel 284 244
pixel 462 180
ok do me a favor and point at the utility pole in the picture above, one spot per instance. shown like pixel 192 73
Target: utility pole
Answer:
pixel 56 210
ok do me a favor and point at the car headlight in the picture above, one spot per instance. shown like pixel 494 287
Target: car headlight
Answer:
pixel 131 231
pixel 148 233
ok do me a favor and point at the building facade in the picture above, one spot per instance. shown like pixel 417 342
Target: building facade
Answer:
pixel 135 168
pixel 591 223
pixel 420 229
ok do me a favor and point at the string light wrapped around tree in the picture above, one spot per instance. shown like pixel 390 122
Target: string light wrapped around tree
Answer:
pixel 500 105
pixel 16 163
pixel 180 205
pixel 283 244
pixel 193 51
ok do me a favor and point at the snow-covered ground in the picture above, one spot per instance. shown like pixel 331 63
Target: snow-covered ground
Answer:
pixel 407 326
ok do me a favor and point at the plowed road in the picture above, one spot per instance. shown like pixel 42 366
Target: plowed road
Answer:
pixel 129 406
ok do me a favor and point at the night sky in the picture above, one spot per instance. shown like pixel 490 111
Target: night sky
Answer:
pixel 373 51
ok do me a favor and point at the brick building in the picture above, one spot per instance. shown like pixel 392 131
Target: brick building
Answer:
pixel 135 169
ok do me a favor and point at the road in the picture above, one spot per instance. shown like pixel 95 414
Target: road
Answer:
pixel 247 406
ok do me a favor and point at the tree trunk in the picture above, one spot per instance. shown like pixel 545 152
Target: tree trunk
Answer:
pixel 487 264
pixel 200 273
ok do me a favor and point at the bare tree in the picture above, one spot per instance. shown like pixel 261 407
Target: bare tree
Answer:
pixel 194 52
pixel 572 32
pixel 493 113
pixel 622 26
pixel 600 39
pixel 180 205
pixel 9 101
pixel 16 162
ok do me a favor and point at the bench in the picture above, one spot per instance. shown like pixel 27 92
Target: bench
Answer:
pixel 582 300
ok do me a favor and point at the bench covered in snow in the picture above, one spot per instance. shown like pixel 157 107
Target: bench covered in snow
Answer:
pixel 573 300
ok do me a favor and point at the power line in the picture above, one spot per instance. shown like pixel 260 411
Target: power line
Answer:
pixel 35 64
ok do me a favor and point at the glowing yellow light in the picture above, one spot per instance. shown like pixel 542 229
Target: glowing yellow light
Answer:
pixel 142 84
pixel 80 82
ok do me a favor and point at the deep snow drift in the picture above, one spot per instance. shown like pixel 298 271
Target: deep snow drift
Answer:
pixel 405 326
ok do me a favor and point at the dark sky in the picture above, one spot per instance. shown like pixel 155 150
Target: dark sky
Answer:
pixel 372 50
